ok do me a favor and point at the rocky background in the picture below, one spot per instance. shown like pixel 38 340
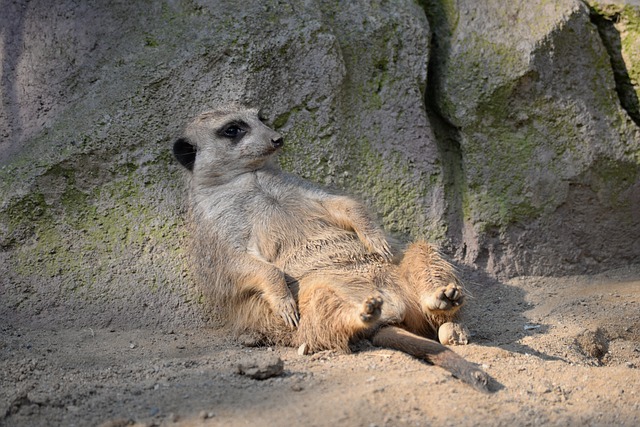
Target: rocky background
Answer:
pixel 508 132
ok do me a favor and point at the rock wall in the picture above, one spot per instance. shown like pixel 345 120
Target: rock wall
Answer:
pixel 494 129
pixel 545 164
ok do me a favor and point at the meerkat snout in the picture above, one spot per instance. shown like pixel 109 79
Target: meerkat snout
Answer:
pixel 277 142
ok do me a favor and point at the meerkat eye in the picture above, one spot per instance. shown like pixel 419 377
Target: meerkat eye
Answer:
pixel 233 131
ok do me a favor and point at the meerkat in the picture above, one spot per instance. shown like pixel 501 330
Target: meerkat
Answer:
pixel 295 264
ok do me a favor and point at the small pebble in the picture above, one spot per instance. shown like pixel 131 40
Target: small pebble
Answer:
pixel 206 414
pixel 451 333
pixel 261 367
pixel 303 350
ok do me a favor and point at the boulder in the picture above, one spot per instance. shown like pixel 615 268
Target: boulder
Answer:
pixel 544 170
pixel 497 130
pixel 94 94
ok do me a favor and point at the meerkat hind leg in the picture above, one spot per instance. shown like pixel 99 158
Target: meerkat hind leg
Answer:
pixel 439 289
pixel 330 315
pixel 443 298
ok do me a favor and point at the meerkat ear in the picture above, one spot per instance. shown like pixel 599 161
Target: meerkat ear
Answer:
pixel 185 152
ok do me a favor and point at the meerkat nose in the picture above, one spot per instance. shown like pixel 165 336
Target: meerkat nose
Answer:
pixel 277 142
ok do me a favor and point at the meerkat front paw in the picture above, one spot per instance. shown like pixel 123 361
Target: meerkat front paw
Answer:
pixel 287 309
pixel 371 309
pixel 444 298
pixel 378 245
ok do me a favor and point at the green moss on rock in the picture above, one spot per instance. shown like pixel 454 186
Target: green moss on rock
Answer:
pixel 619 26
pixel 78 236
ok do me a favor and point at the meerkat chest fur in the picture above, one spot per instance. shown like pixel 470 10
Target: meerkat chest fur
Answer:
pixel 279 218
pixel 285 219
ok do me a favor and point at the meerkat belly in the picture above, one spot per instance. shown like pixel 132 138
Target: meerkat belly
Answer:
pixel 334 250
pixel 301 241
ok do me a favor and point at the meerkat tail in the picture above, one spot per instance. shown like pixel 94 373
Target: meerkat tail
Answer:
pixel 432 352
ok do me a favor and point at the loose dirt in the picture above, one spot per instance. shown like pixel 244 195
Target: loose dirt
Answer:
pixel 563 351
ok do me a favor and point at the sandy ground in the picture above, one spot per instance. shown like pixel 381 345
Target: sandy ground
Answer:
pixel 565 351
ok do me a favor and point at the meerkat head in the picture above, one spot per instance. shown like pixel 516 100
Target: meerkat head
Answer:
pixel 226 142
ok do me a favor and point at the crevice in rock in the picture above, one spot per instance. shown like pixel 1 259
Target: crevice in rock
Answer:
pixel 447 135
pixel 447 138
pixel 610 37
